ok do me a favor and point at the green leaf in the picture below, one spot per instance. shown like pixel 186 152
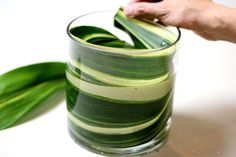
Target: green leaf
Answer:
pixel 30 75
pixel 98 36
pixel 145 34
pixel 26 87
pixel 17 105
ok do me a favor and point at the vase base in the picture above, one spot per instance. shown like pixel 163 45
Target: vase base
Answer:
pixel 134 151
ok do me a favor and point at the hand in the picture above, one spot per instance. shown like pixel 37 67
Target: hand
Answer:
pixel 202 16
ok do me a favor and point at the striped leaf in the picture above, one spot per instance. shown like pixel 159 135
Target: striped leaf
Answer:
pixel 145 35
pixel 98 36
pixel 30 75
pixel 24 88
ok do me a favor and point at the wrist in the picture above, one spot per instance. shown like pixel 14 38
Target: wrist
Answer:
pixel 217 17
pixel 213 21
pixel 224 24
pixel 210 19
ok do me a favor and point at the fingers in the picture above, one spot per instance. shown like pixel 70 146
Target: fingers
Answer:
pixel 144 10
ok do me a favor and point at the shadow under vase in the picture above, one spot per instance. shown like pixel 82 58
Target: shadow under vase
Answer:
pixel 193 137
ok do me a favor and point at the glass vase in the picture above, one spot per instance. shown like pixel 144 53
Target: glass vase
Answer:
pixel 119 101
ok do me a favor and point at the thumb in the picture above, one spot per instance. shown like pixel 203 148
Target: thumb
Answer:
pixel 144 10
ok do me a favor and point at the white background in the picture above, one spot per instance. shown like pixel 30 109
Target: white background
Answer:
pixel 204 114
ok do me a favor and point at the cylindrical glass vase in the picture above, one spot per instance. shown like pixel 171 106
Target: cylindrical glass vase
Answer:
pixel 119 101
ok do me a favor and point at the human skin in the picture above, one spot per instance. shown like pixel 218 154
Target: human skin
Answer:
pixel 208 19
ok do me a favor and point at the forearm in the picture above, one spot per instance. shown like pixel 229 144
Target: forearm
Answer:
pixel 221 21
pixel 228 26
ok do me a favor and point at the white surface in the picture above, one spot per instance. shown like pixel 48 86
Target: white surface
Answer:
pixel 204 114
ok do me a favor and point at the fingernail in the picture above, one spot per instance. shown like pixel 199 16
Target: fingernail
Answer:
pixel 129 10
